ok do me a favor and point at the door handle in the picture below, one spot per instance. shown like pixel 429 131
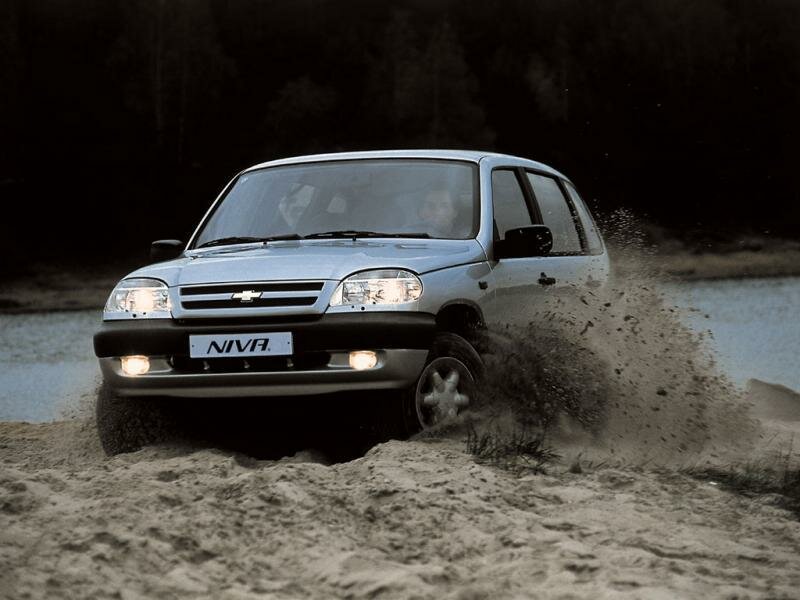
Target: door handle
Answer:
pixel 545 280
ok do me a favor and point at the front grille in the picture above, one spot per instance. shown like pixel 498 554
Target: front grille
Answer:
pixel 255 303
pixel 273 295
pixel 301 286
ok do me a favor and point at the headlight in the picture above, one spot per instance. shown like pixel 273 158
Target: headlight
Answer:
pixel 139 298
pixel 378 287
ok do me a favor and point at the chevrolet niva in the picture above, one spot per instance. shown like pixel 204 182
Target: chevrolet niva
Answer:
pixel 339 273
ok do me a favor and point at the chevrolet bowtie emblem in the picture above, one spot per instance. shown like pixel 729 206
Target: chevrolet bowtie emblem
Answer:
pixel 246 296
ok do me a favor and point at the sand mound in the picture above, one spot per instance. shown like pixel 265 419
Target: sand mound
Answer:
pixel 409 519
pixel 771 401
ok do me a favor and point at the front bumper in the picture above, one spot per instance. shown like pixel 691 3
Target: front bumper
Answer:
pixel 319 364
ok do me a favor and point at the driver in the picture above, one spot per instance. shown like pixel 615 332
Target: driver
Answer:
pixel 438 213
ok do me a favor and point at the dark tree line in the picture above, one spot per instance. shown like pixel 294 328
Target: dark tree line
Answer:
pixel 121 119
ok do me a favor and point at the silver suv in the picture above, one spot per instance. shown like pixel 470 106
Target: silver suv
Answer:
pixel 343 272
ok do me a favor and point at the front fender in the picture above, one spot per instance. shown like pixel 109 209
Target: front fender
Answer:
pixel 470 284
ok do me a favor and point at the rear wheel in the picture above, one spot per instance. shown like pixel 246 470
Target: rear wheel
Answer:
pixel 128 424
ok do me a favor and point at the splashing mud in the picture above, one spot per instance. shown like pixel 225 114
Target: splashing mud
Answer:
pixel 614 374
pixel 615 370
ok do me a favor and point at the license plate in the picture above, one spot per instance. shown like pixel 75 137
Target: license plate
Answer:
pixel 240 344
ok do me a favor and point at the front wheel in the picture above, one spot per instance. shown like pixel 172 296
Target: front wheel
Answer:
pixel 447 385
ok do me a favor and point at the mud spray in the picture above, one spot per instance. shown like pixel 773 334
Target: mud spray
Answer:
pixel 613 375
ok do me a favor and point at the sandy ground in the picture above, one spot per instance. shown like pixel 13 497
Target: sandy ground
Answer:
pixel 416 519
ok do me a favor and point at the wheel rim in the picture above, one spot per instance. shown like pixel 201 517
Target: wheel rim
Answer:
pixel 444 389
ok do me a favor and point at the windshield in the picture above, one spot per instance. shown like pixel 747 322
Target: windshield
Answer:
pixel 428 198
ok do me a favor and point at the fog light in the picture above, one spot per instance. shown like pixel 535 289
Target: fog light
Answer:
pixel 135 365
pixel 363 359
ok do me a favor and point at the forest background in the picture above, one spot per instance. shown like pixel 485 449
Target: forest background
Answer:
pixel 120 120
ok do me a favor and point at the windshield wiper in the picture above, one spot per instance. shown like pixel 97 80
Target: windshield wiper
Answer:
pixel 248 240
pixel 342 233
pixel 353 234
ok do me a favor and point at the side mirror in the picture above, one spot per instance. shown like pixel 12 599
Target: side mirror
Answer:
pixel 524 242
pixel 162 250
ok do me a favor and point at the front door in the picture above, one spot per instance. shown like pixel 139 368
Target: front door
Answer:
pixel 523 286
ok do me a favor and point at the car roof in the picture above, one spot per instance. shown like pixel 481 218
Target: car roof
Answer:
pixel 465 155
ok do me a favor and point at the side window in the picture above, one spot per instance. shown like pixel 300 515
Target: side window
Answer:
pixel 508 201
pixel 556 213
pixel 592 236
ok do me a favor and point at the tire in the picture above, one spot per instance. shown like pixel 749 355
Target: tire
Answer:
pixel 128 424
pixel 446 386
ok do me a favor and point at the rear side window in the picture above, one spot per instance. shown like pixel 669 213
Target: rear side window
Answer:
pixel 556 214
pixel 508 201
pixel 592 236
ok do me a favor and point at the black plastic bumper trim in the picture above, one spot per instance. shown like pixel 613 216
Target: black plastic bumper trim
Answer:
pixel 365 330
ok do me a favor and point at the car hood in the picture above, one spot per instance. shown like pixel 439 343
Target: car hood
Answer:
pixel 311 259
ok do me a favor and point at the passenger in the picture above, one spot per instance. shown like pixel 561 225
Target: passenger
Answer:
pixel 291 209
